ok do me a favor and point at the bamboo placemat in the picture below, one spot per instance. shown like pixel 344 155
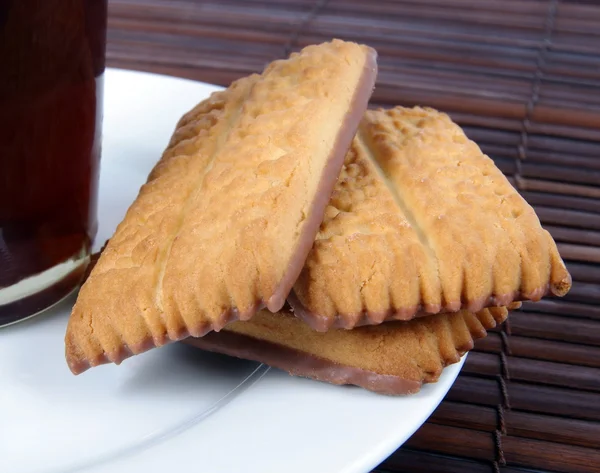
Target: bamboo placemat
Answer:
pixel 523 78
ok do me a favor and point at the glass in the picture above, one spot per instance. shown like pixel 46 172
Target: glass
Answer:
pixel 52 59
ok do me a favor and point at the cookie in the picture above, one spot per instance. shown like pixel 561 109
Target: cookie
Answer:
pixel 391 358
pixel 225 221
pixel 421 222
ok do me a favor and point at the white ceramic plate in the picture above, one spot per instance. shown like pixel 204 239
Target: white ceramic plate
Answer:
pixel 176 407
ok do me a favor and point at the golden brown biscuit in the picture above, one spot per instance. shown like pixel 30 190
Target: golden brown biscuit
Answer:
pixel 225 221
pixel 420 222
pixel 391 358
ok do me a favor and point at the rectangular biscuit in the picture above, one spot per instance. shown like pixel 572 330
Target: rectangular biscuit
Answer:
pixel 421 221
pixel 391 358
pixel 225 221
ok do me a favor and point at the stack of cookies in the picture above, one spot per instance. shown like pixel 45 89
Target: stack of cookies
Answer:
pixel 287 224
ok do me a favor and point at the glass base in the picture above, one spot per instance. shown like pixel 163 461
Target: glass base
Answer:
pixel 35 294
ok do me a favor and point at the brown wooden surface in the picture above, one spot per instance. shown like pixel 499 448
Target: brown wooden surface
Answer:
pixel 523 78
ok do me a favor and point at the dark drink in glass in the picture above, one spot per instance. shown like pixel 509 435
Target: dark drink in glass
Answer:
pixel 51 68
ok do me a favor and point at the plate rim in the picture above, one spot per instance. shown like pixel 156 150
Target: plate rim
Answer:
pixel 370 455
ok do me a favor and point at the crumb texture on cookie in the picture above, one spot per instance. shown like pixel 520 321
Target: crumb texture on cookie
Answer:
pixel 391 358
pixel 227 216
pixel 420 222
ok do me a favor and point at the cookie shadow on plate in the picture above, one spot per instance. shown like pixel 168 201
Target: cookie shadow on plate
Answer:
pixel 186 367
